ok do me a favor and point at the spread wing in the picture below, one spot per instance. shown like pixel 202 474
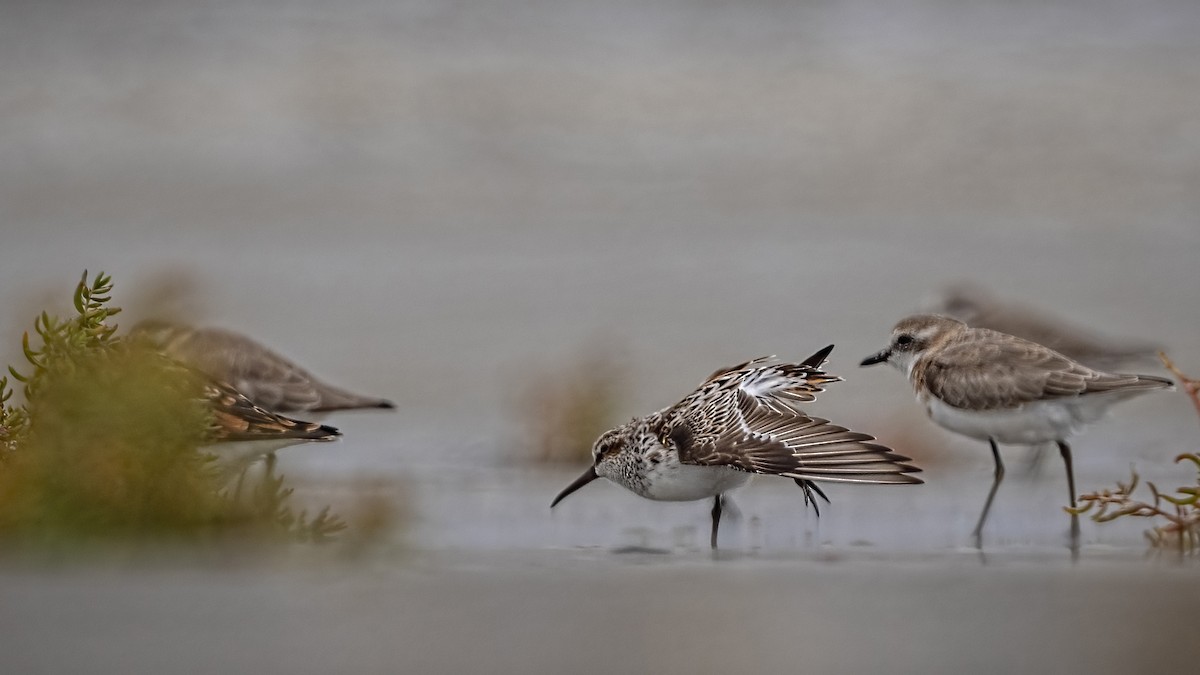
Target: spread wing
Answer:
pixel 763 439
pixel 995 371
pixel 748 419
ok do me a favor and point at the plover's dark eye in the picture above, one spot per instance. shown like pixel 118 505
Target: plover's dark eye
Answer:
pixel 904 340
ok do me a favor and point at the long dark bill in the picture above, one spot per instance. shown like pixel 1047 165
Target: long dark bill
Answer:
pixel 587 477
pixel 881 357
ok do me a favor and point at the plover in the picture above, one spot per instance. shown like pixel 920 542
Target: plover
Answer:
pixel 1002 389
pixel 266 378
pixel 742 421
pixel 981 309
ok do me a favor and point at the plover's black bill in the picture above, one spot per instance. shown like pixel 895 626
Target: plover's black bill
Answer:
pixel 587 477
pixel 879 357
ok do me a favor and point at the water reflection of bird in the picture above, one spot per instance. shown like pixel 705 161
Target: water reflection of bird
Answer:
pixel 742 421
pixel 979 308
pixel 263 376
pixel 1002 389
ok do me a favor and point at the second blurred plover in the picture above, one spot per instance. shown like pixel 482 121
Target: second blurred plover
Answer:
pixel 979 308
pixel 265 377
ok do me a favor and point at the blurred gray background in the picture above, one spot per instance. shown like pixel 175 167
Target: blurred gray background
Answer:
pixel 414 196
pixel 434 201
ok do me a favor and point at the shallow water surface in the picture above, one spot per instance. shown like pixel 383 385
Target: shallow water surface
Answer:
pixel 595 612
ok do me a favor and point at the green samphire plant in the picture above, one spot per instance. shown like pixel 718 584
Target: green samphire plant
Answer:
pixel 108 445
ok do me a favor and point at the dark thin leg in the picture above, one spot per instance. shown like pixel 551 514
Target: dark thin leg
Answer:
pixel 999 476
pixel 811 490
pixel 729 509
pixel 1065 451
pixel 716 520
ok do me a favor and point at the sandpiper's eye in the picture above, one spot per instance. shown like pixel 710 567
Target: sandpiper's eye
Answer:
pixel 904 340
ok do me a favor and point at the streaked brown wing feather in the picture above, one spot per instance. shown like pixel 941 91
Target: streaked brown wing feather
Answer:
pixel 233 416
pixel 721 372
pixel 236 418
pixel 765 439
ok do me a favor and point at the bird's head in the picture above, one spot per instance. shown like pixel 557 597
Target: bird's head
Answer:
pixel 605 451
pixel 914 336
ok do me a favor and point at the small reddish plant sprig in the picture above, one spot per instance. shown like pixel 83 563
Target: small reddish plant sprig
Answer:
pixel 1190 385
pixel 1181 509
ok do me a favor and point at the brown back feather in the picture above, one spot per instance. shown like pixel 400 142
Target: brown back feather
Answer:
pixel 986 370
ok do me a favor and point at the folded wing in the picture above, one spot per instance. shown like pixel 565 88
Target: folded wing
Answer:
pixel 996 374
pixel 236 418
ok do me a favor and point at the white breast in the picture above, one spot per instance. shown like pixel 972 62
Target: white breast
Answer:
pixel 670 481
pixel 1032 423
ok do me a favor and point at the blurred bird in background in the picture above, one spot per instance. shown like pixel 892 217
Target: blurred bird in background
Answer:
pixel 263 376
pixel 980 308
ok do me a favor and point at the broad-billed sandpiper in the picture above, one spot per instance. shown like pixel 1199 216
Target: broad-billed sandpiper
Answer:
pixel 742 421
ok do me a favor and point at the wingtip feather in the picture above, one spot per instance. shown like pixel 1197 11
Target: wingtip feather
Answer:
pixel 818 358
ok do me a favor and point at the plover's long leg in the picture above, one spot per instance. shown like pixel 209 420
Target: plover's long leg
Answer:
pixel 1065 451
pixel 998 477
pixel 716 520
